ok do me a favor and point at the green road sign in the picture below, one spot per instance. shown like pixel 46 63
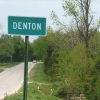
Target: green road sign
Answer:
pixel 26 25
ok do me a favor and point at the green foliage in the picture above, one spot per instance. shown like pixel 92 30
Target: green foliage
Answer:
pixel 94 49
pixel 39 48
pixel 69 61
pixel 6 48
pixel 77 64
pixel 56 42
pixel 39 75
pixel 18 43
pixel 95 45
pixel 70 8
pixel 12 49
pixel 73 68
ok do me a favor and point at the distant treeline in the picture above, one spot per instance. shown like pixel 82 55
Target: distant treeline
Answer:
pixel 12 49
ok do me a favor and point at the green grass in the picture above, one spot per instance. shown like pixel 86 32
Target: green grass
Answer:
pixel 3 66
pixel 38 74
pixel 39 87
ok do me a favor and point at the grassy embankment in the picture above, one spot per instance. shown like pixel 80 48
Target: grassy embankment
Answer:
pixel 39 86
pixel 3 66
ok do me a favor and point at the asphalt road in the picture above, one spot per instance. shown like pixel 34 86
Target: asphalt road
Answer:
pixel 11 79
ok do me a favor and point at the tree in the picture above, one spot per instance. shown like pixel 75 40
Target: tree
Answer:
pixel 66 60
pixel 80 10
pixel 78 68
pixel 18 48
pixel 6 48
pixel 39 48
pixel 73 70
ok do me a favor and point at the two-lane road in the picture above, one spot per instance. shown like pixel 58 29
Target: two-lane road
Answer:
pixel 12 79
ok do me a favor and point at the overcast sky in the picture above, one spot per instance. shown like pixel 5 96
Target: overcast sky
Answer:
pixel 35 8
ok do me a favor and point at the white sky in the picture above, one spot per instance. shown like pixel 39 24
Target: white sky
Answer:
pixel 35 8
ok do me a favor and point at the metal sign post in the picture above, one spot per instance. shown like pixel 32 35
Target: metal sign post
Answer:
pixel 25 69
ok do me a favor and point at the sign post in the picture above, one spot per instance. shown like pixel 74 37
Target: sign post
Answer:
pixel 25 69
pixel 26 26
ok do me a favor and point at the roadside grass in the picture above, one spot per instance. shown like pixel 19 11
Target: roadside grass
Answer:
pixel 3 66
pixel 39 86
pixel 38 74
